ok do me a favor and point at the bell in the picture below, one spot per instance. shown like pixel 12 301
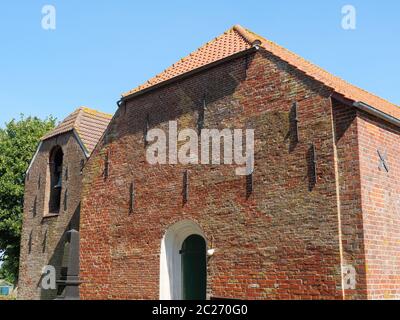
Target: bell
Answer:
pixel 58 185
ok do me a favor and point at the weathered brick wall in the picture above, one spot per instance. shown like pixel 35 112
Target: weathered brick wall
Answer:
pixel 380 206
pixel 350 218
pixel 281 242
pixel 48 232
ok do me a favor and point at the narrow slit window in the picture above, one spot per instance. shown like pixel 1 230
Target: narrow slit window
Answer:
pixel 66 200
pixel 131 197
pixel 146 129
pixel 295 121
pixel 314 161
pixel 185 191
pixel 249 185
pixel 200 117
pixel 44 243
pixel 34 209
pixel 106 165
pixel 30 242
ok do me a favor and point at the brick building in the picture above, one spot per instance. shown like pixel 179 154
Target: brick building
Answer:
pixel 52 197
pixel 317 219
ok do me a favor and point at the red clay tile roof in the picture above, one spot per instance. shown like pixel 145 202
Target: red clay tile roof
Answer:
pixel 89 125
pixel 238 39
pixel 225 45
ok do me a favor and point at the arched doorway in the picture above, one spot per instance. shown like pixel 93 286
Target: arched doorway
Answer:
pixel 194 268
pixel 180 247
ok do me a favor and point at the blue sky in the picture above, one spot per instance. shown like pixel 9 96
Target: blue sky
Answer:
pixel 103 48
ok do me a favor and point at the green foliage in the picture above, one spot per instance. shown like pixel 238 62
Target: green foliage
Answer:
pixel 18 143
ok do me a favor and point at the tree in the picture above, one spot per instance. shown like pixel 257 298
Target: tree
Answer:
pixel 18 143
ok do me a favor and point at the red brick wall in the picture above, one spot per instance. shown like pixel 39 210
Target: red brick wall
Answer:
pixel 48 232
pixel 350 219
pixel 282 242
pixel 380 205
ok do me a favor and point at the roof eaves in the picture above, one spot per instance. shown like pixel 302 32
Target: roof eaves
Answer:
pixel 360 105
pixel 379 114
pixel 34 157
pixel 190 73
pixel 80 142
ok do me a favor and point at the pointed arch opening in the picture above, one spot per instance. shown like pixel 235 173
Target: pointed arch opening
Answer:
pixel 55 168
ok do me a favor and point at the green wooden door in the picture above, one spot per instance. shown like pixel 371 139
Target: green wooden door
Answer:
pixel 194 268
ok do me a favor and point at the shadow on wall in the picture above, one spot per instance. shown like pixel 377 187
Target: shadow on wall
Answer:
pixel 293 135
pixel 171 103
pixel 343 118
pixel 59 258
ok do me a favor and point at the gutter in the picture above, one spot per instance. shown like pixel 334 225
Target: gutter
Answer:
pixel 377 113
pixel 243 53
pixel 366 108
